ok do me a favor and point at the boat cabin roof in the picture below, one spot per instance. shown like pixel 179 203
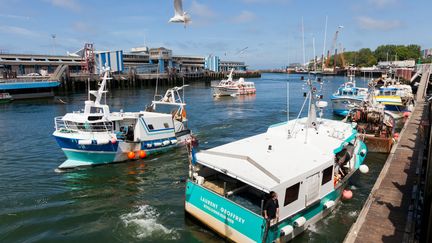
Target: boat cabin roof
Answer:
pixel 269 159
pixel 82 117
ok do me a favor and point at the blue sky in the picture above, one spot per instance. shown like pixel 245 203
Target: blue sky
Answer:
pixel 270 29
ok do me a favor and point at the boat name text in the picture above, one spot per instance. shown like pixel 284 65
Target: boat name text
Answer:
pixel 224 213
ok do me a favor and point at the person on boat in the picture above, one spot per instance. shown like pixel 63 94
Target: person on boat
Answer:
pixel 271 209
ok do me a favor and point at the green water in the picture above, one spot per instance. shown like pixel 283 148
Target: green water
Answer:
pixel 140 201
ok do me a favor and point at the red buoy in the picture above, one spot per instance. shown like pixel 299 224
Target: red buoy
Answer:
pixel 142 154
pixel 406 114
pixel 131 155
pixel 396 135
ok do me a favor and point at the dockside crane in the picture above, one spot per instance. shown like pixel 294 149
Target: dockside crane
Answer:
pixel 342 55
pixel 333 46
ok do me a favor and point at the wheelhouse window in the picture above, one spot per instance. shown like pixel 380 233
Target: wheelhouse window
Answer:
pixel 291 194
pixel 166 125
pixel 327 175
pixel 150 126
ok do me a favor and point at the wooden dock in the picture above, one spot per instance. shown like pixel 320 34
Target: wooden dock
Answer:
pixel 387 215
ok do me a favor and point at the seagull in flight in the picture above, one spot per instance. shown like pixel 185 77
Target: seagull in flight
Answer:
pixel 179 15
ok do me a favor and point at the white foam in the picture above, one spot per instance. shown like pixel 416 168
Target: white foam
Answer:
pixel 144 222
pixel 353 214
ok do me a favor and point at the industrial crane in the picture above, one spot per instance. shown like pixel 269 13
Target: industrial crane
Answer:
pixel 333 46
pixel 341 54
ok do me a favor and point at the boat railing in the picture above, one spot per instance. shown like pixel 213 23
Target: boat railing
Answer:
pixel 69 126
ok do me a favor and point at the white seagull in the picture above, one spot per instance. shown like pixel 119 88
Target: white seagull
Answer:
pixel 179 15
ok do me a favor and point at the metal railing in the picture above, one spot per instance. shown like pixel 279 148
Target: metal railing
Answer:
pixel 70 126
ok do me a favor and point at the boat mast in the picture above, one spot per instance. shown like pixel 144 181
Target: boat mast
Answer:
pixel 324 46
pixel 311 119
pixel 304 54
pixel 314 55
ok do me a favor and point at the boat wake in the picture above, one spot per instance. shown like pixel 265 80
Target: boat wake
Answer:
pixel 144 223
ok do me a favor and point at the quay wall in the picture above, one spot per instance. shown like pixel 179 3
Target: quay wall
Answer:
pixel 80 81
pixel 397 209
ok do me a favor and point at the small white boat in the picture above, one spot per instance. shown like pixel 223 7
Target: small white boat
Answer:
pixel 5 98
pixel 230 87
pixel 306 161
pixel 97 136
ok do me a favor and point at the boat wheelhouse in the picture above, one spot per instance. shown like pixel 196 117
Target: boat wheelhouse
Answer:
pixel 306 161
pixel 97 136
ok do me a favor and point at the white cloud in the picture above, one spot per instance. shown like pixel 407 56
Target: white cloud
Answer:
pixel 201 10
pixel 15 30
pixel 244 17
pixel 382 3
pixel 12 16
pixel 67 4
pixel 369 23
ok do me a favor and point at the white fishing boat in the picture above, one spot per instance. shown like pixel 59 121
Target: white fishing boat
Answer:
pixel 231 87
pixel 347 95
pixel 98 136
pixel 307 162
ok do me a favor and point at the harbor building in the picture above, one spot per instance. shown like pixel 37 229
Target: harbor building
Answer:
pixel 139 59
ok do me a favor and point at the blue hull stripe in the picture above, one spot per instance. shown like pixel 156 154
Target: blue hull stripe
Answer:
pixel 71 143
pixel 29 85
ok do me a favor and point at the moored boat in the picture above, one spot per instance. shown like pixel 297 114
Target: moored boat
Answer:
pixel 374 126
pixel 306 161
pixel 98 136
pixel 348 94
pixel 231 87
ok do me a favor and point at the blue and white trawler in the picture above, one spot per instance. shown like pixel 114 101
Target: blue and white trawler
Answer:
pixel 98 136
pixel 347 95
pixel 306 161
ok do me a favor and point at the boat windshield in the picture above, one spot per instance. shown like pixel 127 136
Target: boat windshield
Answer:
pixel 239 192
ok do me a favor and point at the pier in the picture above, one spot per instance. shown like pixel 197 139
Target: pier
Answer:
pixel 80 81
pixel 392 212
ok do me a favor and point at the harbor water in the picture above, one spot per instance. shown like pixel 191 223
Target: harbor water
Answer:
pixel 141 201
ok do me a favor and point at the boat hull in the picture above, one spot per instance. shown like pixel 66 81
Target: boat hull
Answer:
pixel 377 144
pixel 112 152
pixel 224 91
pixel 341 106
pixel 214 211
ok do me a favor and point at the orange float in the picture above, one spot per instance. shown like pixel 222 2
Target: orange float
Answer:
pixel 142 154
pixel 131 155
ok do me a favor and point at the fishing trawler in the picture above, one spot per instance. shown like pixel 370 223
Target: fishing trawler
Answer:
pixel 348 94
pixel 98 136
pixel 307 162
pixel 229 87
pixel 398 100
pixel 375 127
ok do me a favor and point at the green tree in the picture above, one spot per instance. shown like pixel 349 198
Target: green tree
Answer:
pixel 366 58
